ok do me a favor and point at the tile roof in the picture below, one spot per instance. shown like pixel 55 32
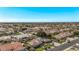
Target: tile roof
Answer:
pixel 15 46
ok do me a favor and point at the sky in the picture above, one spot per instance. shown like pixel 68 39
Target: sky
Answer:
pixel 39 14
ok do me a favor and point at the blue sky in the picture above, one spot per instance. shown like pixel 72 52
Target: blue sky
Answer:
pixel 39 14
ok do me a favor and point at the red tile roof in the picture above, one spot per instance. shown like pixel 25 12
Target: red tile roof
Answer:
pixel 11 47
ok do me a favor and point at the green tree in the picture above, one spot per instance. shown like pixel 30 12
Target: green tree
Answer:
pixel 41 33
pixel 76 33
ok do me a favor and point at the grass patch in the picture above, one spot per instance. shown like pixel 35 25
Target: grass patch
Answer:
pixel 17 33
pixel 39 49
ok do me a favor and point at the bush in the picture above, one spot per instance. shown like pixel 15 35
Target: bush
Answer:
pixel 49 36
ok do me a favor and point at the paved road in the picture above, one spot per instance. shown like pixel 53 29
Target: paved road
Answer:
pixel 64 46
